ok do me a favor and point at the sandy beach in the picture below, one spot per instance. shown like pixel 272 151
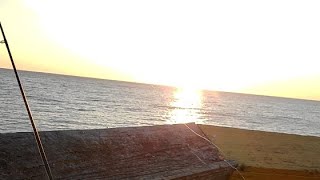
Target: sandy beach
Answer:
pixel 268 155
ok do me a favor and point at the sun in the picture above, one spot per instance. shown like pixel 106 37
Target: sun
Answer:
pixel 127 49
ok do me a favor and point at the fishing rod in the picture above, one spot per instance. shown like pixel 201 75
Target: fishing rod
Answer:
pixel 35 131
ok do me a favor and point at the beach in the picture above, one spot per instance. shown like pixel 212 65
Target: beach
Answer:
pixel 268 155
pixel 262 151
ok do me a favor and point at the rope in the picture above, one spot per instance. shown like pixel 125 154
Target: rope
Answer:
pixel 215 147
pixel 35 131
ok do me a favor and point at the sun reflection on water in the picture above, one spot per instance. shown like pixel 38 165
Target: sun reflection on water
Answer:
pixel 186 106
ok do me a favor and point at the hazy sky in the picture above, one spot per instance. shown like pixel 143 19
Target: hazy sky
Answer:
pixel 261 47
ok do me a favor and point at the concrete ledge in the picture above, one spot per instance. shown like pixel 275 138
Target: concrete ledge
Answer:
pixel 155 152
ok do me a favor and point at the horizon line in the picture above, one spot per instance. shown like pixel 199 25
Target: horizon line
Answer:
pixel 165 85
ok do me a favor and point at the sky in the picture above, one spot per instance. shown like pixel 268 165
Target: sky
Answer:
pixel 256 47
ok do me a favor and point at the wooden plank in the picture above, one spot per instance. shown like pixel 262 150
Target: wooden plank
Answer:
pixel 155 152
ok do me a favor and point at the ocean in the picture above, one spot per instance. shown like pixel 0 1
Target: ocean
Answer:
pixel 60 102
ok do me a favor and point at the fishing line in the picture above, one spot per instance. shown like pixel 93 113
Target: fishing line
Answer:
pixel 35 131
pixel 215 147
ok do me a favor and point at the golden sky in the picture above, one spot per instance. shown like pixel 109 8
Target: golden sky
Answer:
pixel 270 48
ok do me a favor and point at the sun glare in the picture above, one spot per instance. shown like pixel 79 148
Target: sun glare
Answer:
pixel 137 41
pixel 186 103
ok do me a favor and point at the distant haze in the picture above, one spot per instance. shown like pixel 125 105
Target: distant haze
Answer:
pixel 268 48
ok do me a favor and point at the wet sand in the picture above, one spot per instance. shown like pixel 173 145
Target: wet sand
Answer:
pixel 267 155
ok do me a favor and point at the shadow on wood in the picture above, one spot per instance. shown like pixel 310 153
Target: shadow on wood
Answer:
pixel 155 152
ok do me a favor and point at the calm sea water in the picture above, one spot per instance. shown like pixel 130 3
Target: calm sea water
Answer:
pixel 64 102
